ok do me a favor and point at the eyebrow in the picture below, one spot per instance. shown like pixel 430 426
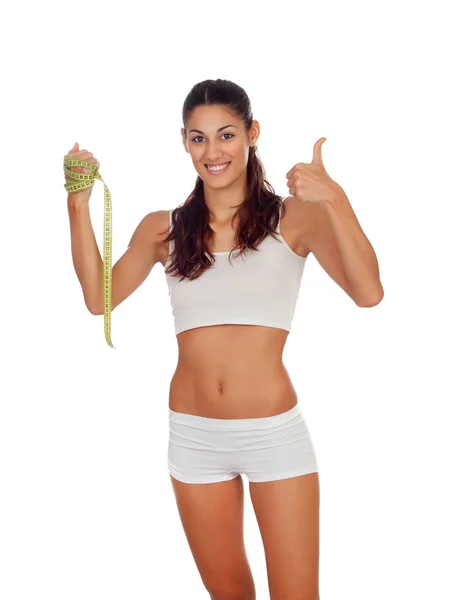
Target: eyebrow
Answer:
pixel 220 129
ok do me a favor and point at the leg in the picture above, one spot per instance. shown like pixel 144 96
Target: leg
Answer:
pixel 212 517
pixel 287 511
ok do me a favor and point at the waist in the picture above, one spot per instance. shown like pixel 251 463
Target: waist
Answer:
pixel 231 371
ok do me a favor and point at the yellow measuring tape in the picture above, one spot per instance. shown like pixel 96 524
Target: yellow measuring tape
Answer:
pixel 79 182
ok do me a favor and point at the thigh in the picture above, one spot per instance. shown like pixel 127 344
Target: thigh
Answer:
pixel 287 511
pixel 212 518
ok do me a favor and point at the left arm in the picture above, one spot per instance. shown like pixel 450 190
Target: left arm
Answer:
pixel 339 244
pixel 330 230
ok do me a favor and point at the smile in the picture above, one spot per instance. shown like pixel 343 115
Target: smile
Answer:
pixel 218 170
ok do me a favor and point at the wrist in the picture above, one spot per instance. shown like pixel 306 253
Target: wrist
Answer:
pixel 77 200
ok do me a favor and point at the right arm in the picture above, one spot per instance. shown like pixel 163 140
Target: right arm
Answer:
pixel 132 268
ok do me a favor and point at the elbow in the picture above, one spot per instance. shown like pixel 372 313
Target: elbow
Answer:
pixel 370 301
pixel 93 307
pixel 96 309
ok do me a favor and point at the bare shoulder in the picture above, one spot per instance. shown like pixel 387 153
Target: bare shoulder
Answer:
pixel 153 229
pixel 297 224
pixel 157 222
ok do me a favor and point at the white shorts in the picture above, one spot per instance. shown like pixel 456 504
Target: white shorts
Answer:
pixel 206 450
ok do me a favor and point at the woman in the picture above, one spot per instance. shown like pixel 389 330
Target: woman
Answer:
pixel 232 406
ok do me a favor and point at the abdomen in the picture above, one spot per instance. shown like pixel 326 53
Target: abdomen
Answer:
pixel 231 372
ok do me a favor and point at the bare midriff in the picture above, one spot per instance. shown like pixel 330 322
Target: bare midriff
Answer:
pixel 235 371
pixel 231 372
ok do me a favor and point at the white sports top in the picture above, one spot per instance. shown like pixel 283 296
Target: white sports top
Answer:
pixel 259 288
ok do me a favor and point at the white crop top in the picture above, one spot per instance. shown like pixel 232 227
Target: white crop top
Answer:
pixel 258 288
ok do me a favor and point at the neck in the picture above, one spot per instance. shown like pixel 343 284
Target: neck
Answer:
pixel 224 202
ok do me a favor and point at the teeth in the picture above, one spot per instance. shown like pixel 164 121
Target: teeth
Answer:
pixel 220 168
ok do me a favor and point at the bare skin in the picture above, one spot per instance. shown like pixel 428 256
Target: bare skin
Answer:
pixel 234 371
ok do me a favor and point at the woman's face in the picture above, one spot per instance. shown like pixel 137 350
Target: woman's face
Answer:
pixel 214 137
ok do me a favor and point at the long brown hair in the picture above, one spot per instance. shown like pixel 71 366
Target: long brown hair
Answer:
pixel 259 213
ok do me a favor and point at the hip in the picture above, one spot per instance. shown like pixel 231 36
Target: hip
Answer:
pixel 202 450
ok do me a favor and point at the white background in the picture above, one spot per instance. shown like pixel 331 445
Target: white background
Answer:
pixel 86 505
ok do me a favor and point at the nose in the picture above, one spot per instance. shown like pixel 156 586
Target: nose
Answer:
pixel 214 152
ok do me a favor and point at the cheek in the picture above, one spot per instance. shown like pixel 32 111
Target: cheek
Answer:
pixel 196 159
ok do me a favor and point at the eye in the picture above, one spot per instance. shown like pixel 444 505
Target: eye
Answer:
pixel 200 136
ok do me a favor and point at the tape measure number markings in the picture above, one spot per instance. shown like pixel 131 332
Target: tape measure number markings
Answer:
pixel 79 182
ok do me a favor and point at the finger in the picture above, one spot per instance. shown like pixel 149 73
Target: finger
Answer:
pixel 317 152
pixel 87 157
pixel 81 155
pixel 301 166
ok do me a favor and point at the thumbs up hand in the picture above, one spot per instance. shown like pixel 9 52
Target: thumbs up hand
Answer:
pixel 310 182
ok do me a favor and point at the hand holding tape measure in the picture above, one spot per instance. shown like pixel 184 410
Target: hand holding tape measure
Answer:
pixel 81 170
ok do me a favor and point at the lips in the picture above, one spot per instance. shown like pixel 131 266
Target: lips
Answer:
pixel 217 172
